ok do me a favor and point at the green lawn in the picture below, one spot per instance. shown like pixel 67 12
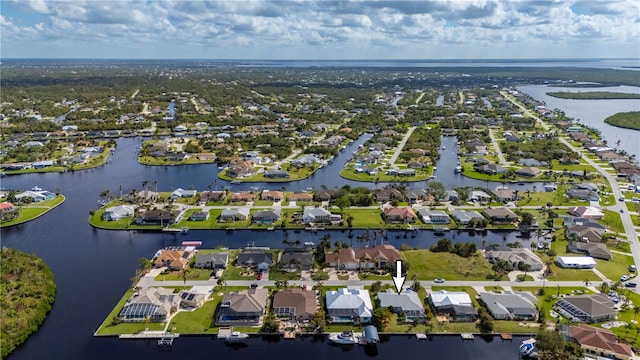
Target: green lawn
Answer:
pixel 197 321
pixel 159 161
pixel 616 267
pixel 613 221
pixel 108 328
pixel 574 167
pixel 421 175
pixel 34 210
pixel 276 275
pixel 557 198
pixel 366 218
pixel 427 265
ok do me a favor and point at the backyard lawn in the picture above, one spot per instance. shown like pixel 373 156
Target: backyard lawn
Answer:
pixel 427 265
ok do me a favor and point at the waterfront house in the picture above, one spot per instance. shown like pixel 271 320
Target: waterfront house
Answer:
pixel 36 196
pixel 511 305
pixel 586 308
pixel 326 195
pixel 8 210
pixel 212 260
pixel 317 215
pixel 464 216
pixel 173 259
pixel 388 194
pixel 377 257
pixel 414 195
pixel 243 308
pixel 456 305
pixel 255 258
pixel 309 160
pixel 300 197
pixel 479 195
pixel 234 214
pixel 295 304
pixel 528 171
pixel 401 215
pixel 191 299
pixel 242 196
pixel 516 257
pixel 585 233
pixel 158 217
pixel 150 304
pixel 453 196
pixel 241 169
pixel 199 216
pixel 576 262
pixel 349 305
pixel 598 342
pixel 501 215
pixel 505 195
pixel 294 259
pixel 182 193
pixel 593 249
pixel 433 216
pixel 208 196
pixel 491 169
pixel 276 174
pixel 401 172
pixel 114 213
pixel 407 302
pixel 266 216
pixel 272 195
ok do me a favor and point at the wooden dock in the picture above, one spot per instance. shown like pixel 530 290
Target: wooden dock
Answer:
pixel 150 335
pixel 467 336
pixel 506 336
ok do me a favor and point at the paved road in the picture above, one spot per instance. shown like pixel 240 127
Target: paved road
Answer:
pixel 395 155
pixel 619 207
pixel 503 162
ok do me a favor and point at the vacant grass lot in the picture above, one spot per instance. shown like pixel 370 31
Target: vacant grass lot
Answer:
pixel 427 265
pixel 616 267
pixel 366 218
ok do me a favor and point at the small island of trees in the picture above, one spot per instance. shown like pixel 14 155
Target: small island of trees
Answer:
pixel 627 120
pixel 27 292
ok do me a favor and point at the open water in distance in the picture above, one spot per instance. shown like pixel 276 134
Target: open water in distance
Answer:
pixel 92 267
pixel 593 112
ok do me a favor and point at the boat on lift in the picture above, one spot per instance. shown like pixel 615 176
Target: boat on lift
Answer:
pixel 344 338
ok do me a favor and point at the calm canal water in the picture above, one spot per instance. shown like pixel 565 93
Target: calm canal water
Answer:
pixel 593 112
pixel 92 267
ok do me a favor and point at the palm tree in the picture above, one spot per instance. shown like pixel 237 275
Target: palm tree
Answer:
pixel 636 310
pixel 184 273
pixel 604 287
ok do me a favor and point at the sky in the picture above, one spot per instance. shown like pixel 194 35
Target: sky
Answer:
pixel 320 29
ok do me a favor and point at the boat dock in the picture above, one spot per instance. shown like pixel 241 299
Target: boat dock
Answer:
pixel 467 336
pixel 506 336
pixel 150 335
pixel 289 334
pixel 224 332
pixel 421 336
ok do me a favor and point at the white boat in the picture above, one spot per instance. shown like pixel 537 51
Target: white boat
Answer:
pixel 309 243
pixel 36 188
pixel 344 338
pixel 236 336
pixel 458 169
pixel 528 346
pixel 236 182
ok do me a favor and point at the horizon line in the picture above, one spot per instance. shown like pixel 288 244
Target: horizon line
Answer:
pixel 294 59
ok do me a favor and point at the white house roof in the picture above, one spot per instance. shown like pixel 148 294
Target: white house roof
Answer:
pixel 407 300
pixel 348 298
pixel 577 260
pixel 444 298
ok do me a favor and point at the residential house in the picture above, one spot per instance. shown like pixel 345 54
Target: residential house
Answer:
pixel 505 195
pixel 8 210
pixel 516 257
pixel 276 174
pixel 242 196
pixel 399 215
pixel 456 305
pixel 479 195
pixel 241 169
pixel 114 213
pixel 316 215
pixel 182 193
pixel 402 172
pixel 583 194
pixel 295 304
pixel 245 307
pixel 349 305
pixel 191 299
pixel 491 169
pixel 209 196
pixel 599 342
pixel 500 215
pixel 235 214
pixel 528 172
pixel 532 162
pixel 587 212
pixel 305 197
pixel 158 216
pixel 272 195
pixel 414 195
pixel 212 260
pixel 326 195
pixel 36 196
pixel 433 216
pixel 576 262
pixel 406 302
pixel 199 216
pixel 388 194
pixel 593 249
pixel 511 305
pixel 266 216
pixel 294 259
pixel 584 233
pixel 464 216
pixel 586 308
pixel 309 160
pixel 377 257
pixel 255 258
pixel 150 304
pixel 453 196
pixel 173 259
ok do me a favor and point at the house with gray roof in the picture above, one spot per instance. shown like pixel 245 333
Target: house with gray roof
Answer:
pixel 199 216
pixel 243 308
pixel 235 214
pixel 453 195
pixel 309 160
pixel 532 162
pixel 266 216
pixel 515 257
pixel 152 303
pixel 319 215
pixel 464 216
pixel 407 302
pixel 291 259
pixel 295 304
pixel 212 261
pixel 586 308
pixel 593 249
pixel 511 305
pixel 433 216
pixel 182 193
pixel 456 304
pixel 349 305
pixel 255 258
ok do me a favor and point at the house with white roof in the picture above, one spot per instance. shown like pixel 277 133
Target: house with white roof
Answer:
pixel 576 262
pixel 433 216
pixel 347 305
pixel 118 212
pixel 37 196
pixel 319 215
pixel 464 216
pixel 456 304
pixel 511 305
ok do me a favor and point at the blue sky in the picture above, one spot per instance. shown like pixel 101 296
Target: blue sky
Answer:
pixel 328 29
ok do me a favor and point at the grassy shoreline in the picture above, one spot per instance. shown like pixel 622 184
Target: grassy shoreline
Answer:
pixel 35 212
pixel 625 120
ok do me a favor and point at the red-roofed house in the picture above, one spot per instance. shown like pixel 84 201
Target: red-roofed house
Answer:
pixel 377 257
pixel 399 215
pixel 600 342
pixel 8 211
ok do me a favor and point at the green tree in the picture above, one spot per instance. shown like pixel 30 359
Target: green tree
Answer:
pixel 485 321
pixel 343 202
pixel 269 324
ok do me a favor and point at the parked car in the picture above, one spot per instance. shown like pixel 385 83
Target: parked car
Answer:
pixel 254 285
pixel 438 280
pixel 624 277
pixel 259 277
pixel 632 268
pixel 630 284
